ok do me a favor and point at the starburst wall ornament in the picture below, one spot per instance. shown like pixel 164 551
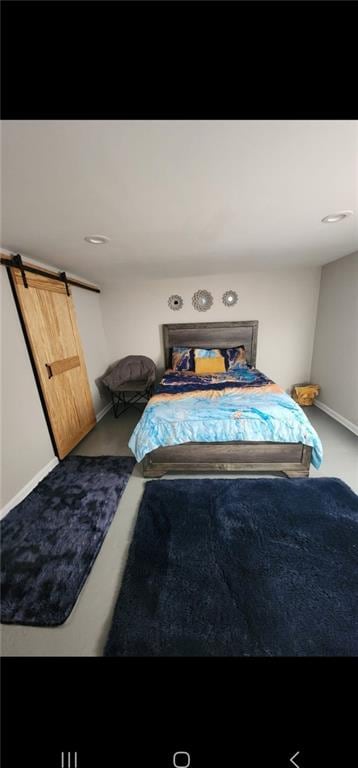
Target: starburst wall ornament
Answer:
pixel 202 300
pixel 175 302
pixel 230 298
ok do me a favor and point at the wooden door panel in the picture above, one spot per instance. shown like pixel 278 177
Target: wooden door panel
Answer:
pixel 50 323
pixel 59 366
pixel 39 282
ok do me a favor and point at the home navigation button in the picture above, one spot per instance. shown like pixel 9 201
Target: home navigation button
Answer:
pixel 181 760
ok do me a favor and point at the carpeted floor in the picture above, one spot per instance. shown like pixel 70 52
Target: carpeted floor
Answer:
pixel 249 567
pixel 50 540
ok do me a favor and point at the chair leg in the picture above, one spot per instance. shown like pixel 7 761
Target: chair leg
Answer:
pixel 121 405
pixel 114 406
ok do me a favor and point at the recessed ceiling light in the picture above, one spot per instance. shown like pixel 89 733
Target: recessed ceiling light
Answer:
pixel 333 218
pixel 97 239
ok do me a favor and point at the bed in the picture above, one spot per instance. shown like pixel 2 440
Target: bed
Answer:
pixel 177 454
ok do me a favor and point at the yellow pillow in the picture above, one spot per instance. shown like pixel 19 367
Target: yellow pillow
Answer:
pixel 210 365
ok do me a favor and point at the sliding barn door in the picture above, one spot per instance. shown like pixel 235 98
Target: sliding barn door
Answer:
pixel 50 326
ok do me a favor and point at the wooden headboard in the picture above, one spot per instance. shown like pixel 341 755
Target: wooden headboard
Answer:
pixel 209 335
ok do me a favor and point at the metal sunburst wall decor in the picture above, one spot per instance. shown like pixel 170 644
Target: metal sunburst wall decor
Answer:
pixel 175 302
pixel 202 300
pixel 230 298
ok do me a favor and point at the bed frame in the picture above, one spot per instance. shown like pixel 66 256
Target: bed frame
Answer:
pixel 291 459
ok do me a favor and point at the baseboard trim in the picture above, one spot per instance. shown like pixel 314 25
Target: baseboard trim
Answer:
pixel 103 412
pixel 337 416
pixel 28 487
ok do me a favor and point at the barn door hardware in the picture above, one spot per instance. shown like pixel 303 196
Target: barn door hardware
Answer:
pixel 63 277
pixel 17 262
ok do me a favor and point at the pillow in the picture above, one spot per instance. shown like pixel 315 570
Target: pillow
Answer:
pixel 209 361
pixel 210 365
pixel 198 352
pixel 182 359
pixel 235 357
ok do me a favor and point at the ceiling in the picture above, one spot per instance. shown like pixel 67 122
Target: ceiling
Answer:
pixel 178 198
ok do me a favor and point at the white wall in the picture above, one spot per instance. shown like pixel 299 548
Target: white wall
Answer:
pixel 25 441
pixel 283 301
pixel 26 444
pixel 335 354
pixel 94 340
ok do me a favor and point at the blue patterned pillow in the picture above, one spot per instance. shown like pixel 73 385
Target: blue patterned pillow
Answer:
pixel 208 353
pixel 235 357
pixel 182 359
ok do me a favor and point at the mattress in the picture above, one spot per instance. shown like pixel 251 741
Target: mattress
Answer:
pixel 242 404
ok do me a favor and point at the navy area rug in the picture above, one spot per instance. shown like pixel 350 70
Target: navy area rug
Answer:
pixel 50 540
pixel 251 567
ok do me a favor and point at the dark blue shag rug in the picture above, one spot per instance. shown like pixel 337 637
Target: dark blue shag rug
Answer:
pixel 251 567
pixel 50 540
